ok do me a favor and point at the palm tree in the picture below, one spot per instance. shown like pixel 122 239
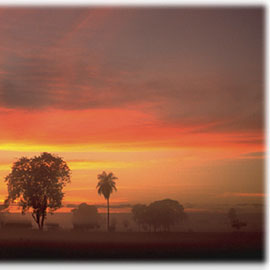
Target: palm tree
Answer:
pixel 106 185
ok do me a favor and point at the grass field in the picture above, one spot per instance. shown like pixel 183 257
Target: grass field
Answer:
pixel 80 246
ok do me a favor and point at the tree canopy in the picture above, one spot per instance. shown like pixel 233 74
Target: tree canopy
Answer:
pixel 160 215
pixel 37 183
pixel 85 216
pixel 106 184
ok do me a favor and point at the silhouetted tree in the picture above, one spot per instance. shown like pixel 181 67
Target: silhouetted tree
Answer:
pixel 165 213
pixel 159 215
pixel 234 220
pixel 139 214
pixel 37 183
pixel 1 220
pixel 86 217
pixel 3 207
pixel 105 186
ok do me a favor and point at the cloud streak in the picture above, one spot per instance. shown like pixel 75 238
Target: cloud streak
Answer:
pixel 184 66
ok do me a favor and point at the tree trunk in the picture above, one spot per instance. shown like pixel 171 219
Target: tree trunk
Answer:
pixel 38 220
pixel 42 221
pixel 43 211
pixel 108 215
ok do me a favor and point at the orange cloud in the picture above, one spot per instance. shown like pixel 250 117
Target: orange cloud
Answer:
pixel 108 130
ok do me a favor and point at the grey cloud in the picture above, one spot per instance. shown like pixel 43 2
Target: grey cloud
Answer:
pixel 26 83
pixel 192 66
pixel 17 96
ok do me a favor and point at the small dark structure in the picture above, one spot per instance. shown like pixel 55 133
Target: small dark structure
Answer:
pixel 85 226
pixel 17 225
pixel 234 220
pixel 86 217
pixel 52 226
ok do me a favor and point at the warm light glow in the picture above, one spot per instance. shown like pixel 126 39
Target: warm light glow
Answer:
pixel 154 99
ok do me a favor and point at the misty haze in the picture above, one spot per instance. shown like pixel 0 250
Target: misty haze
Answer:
pixel 132 133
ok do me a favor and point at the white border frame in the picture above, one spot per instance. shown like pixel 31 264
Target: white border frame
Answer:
pixel 42 265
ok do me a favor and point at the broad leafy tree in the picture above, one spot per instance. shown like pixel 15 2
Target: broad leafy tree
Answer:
pixel 164 214
pixel 105 186
pixel 86 217
pixel 159 215
pixel 139 212
pixel 37 183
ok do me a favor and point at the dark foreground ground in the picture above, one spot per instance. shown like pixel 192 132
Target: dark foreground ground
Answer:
pixel 100 246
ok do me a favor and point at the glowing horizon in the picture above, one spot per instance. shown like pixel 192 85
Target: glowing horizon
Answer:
pixel 170 100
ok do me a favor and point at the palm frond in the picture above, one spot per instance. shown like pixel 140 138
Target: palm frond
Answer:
pixel 106 184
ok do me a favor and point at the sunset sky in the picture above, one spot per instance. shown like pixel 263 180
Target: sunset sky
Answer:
pixel 170 100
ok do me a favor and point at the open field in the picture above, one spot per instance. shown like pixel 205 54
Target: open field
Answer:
pixel 208 221
pixel 70 245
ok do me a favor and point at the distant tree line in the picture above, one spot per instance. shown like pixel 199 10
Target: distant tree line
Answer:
pixel 159 215
pixel 36 184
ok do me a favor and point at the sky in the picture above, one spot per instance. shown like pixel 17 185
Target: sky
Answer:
pixel 171 100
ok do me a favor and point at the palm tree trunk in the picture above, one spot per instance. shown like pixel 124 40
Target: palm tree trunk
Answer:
pixel 108 215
